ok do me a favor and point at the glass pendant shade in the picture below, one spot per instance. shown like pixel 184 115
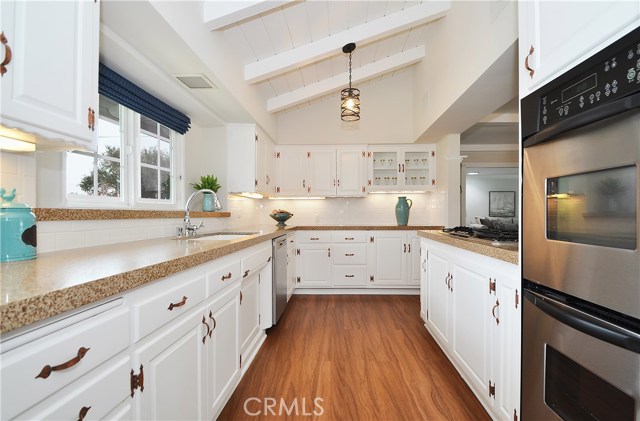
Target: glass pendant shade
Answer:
pixel 350 104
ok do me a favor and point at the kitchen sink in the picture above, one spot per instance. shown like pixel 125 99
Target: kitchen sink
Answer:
pixel 223 236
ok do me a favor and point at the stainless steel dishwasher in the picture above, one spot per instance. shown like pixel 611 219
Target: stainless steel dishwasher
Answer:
pixel 279 276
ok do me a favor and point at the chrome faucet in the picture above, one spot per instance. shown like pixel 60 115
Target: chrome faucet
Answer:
pixel 189 230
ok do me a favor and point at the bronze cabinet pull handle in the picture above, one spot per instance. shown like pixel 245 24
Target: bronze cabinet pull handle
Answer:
pixel 329 252
pixel 526 62
pixel 83 412
pixel 178 304
pixel 348 238
pixel 93 120
pixel 47 369
pixel 7 54
pixel 314 238
pixel 493 312
pixel 227 276
pixel 137 381
pixel 246 273
pixel 349 276
pixel 89 118
pixel 349 254
pixel 204 322
pixel 214 322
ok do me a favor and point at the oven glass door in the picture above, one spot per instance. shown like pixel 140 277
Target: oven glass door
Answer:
pixel 568 374
pixel 580 204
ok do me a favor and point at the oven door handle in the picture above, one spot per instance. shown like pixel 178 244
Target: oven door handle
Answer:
pixel 585 118
pixel 585 322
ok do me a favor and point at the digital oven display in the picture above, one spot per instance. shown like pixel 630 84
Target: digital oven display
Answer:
pixel 579 88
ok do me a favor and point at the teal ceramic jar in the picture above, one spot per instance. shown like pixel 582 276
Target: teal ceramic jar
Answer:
pixel 402 210
pixel 18 237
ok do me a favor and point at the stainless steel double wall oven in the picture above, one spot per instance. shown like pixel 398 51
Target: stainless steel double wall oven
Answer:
pixel 580 236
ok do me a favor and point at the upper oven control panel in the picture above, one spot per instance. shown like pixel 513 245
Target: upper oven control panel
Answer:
pixel 614 77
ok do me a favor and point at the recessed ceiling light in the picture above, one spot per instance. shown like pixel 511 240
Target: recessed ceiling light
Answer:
pixel 196 81
pixel 473 173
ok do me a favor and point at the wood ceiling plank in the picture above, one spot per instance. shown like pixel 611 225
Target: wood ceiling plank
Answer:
pixel 338 16
pixel 310 74
pixel 317 19
pixel 219 14
pixel 276 26
pixel 357 13
pixel 294 80
pixel 258 37
pixel 362 34
pixel 236 37
pixel 298 25
pixel 389 64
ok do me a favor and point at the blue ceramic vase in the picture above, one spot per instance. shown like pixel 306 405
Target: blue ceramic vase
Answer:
pixel 402 210
pixel 207 202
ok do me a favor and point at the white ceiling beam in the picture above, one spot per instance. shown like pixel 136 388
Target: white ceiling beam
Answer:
pixel 331 45
pixel 315 90
pixel 496 118
pixel 217 14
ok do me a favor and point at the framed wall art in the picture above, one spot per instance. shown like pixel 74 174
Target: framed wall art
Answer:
pixel 502 204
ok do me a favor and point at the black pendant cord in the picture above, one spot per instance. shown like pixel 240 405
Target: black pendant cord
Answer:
pixel 349 71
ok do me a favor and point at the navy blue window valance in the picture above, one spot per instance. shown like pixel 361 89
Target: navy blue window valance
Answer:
pixel 119 89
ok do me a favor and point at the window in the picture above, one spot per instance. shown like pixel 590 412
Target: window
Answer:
pixel 111 176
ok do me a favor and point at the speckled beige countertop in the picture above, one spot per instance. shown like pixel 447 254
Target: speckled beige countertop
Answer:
pixel 61 281
pixel 507 251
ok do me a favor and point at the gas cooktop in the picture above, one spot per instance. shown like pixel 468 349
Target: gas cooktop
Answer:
pixel 489 234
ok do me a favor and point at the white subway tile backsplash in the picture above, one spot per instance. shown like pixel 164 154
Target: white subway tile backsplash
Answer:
pixel 70 240
pixel 54 226
pixel 97 238
pixel 46 242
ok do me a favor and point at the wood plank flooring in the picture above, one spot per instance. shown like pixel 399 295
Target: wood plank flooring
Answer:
pixel 361 357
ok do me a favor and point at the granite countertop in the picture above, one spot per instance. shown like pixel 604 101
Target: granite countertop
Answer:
pixel 56 282
pixel 507 251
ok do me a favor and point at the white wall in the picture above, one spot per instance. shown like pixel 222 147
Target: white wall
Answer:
pixel 477 193
pixel 18 170
pixel 448 176
pixel 386 115
pixel 461 47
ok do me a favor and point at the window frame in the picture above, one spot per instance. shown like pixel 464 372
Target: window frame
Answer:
pixel 130 170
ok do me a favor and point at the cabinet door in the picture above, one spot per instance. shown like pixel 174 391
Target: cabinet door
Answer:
pixel 314 266
pixel 173 366
pixel 506 344
pixel 50 87
pixel 418 170
pixel 564 33
pixel 438 295
pixel 471 333
pixel 387 259
pixel 249 311
pixel 413 249
pixel 223 350
pixel 321 172
pixel 290 171
pixel 350 172
pixel 266 176
pixel 423 281
pixel 385 170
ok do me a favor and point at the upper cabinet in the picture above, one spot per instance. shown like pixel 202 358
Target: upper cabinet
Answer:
pixel 320 171
pixel 556 35
pixel 50 70
pixel 250 158
pixel 400 167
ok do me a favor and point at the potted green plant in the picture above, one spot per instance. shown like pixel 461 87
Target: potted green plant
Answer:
pixel 207 182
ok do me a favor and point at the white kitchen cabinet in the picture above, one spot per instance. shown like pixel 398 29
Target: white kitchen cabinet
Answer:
pixel 439 298
pixel 172 364
pixel 250 157
pixel 554 36
pixel 223 358
pixel 249 311
pixel 320 171
pixel 399 167
pixel 40 375
pixel 473 312
pixel 50 87
pixel 313 259
pixel 349 250
pixel 351 171
pixel 291 170
pixel 291 265
pixel 423 282
pixel 393 259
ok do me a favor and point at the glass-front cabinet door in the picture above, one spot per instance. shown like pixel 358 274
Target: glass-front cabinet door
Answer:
pixel 401 168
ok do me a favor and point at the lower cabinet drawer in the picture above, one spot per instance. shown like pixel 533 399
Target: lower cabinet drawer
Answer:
pixel 227 271
pixel 36 370
pixel 95 395
pixel 349 254
pixel 157 305
pixel 350 276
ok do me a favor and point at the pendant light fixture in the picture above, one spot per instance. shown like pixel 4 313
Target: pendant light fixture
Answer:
pixel 350 97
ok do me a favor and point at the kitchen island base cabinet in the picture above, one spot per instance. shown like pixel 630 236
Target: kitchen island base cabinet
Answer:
pixel 473 312
pixel 393 259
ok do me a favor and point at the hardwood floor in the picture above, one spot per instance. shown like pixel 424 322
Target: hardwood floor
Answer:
pixel 352 357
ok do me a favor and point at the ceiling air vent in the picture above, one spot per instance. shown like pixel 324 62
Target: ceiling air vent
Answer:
pixel 195 81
